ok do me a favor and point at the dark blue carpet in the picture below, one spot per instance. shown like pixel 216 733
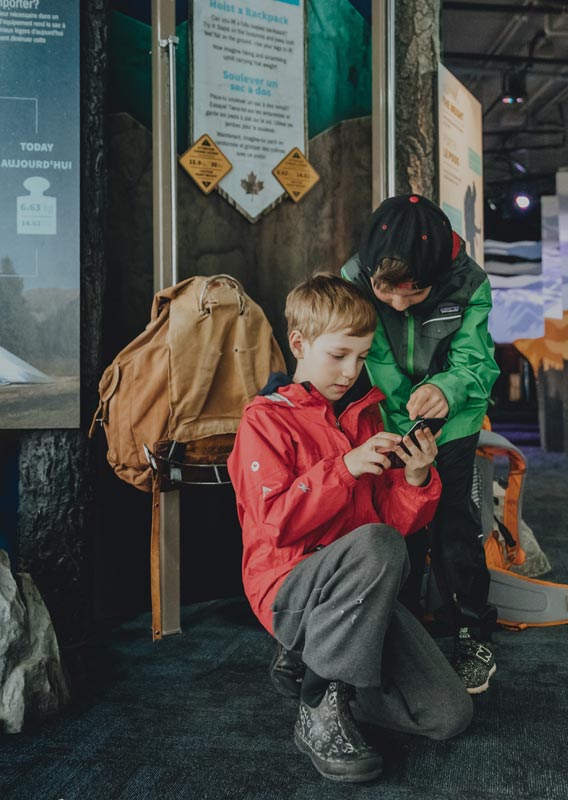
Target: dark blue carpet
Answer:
pixel 195 716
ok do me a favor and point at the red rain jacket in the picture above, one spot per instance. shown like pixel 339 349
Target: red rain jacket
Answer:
pixel 295 493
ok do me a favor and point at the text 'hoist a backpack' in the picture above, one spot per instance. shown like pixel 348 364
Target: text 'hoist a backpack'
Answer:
pixel 171 401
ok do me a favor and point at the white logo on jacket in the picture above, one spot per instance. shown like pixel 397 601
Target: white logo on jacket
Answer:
pixel 255 466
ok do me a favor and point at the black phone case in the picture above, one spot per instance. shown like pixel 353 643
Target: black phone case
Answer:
pixel 434 423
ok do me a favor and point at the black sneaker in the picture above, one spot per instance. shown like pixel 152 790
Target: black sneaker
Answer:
pixel 473 662
pixel 329 736
pixel 287 672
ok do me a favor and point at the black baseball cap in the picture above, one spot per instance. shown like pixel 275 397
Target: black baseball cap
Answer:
pixel 413 229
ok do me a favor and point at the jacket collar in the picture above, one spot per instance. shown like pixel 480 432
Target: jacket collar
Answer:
pixel 304 394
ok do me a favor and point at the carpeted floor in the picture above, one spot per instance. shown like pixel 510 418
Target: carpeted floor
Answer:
pixel 195 717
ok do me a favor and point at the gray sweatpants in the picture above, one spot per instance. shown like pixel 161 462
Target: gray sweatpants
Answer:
pixel 339 608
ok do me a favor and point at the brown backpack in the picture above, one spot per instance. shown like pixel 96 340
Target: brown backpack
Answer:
pixel 171 401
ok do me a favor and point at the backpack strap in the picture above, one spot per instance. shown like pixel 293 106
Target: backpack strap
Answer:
pixel 203 303
pixel 522 602
pixel 155 562
pixel 492 444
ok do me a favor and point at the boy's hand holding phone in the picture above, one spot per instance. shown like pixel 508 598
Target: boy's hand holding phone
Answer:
pixel 422 450
pixel 373 455
pixel 417 450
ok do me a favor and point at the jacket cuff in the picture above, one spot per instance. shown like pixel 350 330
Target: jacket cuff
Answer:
pixel 347 478
pixel 432 486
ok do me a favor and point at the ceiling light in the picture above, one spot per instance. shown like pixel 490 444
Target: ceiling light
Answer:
pixel 514 88
pixel 522 202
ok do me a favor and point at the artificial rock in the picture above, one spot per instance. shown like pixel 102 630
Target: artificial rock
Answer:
pixel 32 681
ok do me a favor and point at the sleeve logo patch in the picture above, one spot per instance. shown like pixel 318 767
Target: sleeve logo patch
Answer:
pixel 255 466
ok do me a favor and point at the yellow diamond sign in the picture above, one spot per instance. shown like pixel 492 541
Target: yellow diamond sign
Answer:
pixel 205 163
pixel 296 174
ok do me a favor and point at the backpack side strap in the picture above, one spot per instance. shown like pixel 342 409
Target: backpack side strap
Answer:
pixel 155 562
pixel 491 444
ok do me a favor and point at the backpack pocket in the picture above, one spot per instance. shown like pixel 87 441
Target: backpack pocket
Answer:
pixel 108 385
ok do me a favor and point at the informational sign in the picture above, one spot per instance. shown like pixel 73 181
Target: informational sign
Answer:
pixel 205 164
pixel 248 93
pixel 562 194
pixel 39 214
pixel 551 264
pixel 296 175
pixel 460 149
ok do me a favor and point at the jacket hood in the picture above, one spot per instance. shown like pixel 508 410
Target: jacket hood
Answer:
pixel 274 382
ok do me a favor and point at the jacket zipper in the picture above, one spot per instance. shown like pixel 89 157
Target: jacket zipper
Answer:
pixel 337 419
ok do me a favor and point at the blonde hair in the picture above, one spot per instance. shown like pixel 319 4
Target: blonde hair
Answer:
pixel 326 303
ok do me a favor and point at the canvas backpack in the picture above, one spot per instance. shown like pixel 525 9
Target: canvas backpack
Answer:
pixel 512 553
pixel 171 401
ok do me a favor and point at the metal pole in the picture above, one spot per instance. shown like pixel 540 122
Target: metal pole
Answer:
pixel 383 94
pixel 164 166
pixel 170 44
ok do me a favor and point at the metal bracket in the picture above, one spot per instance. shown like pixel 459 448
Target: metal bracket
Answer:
pixel 171 40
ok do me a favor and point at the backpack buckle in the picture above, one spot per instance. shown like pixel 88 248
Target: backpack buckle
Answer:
pixel 150 457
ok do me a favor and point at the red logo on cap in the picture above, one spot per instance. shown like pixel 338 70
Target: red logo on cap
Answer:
pixel 414 199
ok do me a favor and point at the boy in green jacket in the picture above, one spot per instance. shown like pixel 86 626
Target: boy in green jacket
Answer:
pixel 432 356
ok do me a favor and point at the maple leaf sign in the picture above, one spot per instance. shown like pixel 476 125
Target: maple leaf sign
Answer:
pixel 251 184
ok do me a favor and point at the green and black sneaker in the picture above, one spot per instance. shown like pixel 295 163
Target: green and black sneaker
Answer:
pixel 473 661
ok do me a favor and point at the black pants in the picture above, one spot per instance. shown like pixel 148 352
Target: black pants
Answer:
pixel 456 545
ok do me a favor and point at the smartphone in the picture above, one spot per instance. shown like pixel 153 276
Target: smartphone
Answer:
pixel 434 423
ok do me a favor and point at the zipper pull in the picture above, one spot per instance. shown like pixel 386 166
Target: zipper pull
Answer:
pixel 338 425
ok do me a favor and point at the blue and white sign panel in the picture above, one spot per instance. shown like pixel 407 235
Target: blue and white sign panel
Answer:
pixel 551 264
pixel 515 273
pixel 39 214
pixel 562 194
pixel 248 74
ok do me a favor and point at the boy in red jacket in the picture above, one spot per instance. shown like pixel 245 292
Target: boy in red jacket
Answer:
pixel 323 516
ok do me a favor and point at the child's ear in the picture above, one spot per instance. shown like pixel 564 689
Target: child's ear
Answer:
pixel 296 342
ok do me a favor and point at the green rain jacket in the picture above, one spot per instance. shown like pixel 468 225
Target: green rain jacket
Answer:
pixel 443 341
